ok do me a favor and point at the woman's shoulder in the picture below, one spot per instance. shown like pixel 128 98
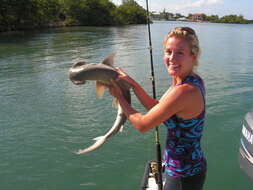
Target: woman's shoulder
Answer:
pixel 195 81
pixel 190 97
pixel 187 94
pixel 186 88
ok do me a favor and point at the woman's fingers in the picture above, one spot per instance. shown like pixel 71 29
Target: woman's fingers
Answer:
pixel 120 71
pixel 114 84
pixel 115 88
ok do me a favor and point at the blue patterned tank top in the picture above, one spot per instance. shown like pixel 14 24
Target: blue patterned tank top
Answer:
pixel 183 155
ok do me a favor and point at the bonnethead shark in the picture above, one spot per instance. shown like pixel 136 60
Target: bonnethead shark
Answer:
pixel 102 73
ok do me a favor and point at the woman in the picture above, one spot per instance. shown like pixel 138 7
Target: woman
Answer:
pixel 181 109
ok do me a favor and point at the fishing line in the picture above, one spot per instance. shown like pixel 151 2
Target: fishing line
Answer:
pixel 157 139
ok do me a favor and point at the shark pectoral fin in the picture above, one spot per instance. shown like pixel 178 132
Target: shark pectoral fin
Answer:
pixel 121 128
pixel 100 89
pixel 115 102
pixel 109 59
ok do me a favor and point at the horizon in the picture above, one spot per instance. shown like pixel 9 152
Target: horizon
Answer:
pixel 208 7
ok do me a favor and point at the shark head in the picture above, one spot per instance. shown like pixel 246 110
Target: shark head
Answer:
pixel 103 72
pixel 75 70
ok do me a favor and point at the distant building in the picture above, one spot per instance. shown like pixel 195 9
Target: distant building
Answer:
pixel 199 17
pixel 170 16
pixel 162 16
pixel 182 19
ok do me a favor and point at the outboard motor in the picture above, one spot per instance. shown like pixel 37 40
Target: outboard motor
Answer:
pixel 246 147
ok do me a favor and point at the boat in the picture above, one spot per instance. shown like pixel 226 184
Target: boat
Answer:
pixel 150 179
pixel 246 145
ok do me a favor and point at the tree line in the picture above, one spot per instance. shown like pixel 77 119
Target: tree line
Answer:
pixel 30 14
pixel 228 19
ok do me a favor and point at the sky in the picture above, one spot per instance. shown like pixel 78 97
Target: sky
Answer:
pixel 208 7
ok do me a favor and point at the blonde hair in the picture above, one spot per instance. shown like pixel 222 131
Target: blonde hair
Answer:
pixel 189 35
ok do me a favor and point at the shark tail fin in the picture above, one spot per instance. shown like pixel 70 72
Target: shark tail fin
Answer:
pixel 99 142
pixel 98 138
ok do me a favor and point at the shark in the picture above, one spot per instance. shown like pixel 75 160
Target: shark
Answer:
pixel 102 73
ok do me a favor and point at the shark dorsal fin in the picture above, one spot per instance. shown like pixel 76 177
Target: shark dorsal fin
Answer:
pixel 109 59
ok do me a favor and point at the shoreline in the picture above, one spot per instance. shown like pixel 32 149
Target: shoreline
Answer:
pixel 62 25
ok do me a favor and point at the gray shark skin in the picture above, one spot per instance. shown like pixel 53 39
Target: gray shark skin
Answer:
pixel 102 73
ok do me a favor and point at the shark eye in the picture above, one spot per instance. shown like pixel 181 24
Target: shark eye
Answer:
pixel 78 64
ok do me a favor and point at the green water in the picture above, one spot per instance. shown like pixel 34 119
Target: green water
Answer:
pixel 45 118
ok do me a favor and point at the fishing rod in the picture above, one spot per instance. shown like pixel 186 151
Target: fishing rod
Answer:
pixel 157 139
